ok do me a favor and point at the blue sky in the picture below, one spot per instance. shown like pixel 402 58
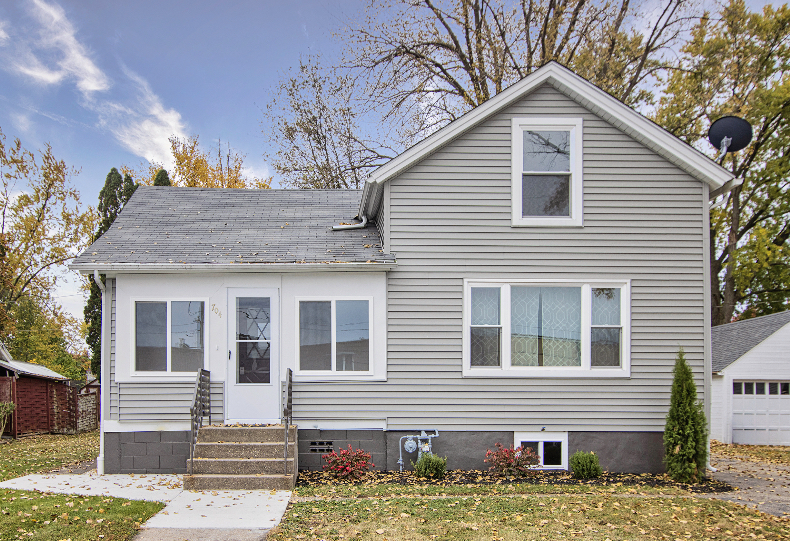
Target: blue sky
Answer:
pixel 107 82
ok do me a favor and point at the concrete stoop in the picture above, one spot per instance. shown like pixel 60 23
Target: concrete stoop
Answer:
pixel 243 458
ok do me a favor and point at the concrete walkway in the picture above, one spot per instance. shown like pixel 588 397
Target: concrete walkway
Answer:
pixel 193 516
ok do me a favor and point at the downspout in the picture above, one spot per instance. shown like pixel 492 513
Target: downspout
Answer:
pixel 351 226
pixel 102 390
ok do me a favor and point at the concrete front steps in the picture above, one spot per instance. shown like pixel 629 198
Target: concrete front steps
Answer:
pixel 243 458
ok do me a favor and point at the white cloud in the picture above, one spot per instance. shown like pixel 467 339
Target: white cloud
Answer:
pixel 22 122
pixel 145 126
pixel 4 37
pixel 70 59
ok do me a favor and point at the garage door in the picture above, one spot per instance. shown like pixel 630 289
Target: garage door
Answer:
pixel 761 412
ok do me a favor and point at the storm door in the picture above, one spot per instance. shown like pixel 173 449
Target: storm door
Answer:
pixel 253 383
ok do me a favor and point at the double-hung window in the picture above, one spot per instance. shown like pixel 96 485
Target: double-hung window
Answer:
pixel 334 336
pixel 546 329
pixel 547 172
pixel 169 336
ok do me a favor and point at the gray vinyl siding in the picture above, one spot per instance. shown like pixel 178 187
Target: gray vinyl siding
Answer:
pixel 165 401
pixel 449 218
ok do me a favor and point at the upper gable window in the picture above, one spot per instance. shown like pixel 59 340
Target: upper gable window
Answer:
pixel 547 172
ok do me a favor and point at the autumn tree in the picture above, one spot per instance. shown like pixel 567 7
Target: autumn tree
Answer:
pixel 412 66
pixel 43 334
pixel 113 197
pixel 737 64
pixel 196 167
pixel 41 221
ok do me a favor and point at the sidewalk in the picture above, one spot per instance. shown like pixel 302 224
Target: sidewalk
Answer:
pixel 218 515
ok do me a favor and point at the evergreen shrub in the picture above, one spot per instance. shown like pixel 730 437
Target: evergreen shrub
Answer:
pixel 686 430
pixel 585 465
pixel 431 466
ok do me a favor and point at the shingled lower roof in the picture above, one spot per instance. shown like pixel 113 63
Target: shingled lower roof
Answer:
pixel 733 340
pixel 162 227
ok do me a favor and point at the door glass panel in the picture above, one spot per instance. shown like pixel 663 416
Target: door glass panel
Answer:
pixel 315 335
pixel 773 388
pixel 352 341
pixel 253 321
pixel 737 387
pixel 759 387
pixel 151 336
pixel 186 336
pixel 252 362
pixel 748 387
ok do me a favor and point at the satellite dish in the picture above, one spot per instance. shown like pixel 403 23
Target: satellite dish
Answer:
pixel 730 134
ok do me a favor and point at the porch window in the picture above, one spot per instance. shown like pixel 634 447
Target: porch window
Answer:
pixel 334 335
pixel 169 336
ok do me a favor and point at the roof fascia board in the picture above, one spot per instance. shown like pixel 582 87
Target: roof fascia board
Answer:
pixel 599 102
pixel 144 268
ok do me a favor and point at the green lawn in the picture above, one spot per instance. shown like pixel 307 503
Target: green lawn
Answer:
pixel 34 515
pixel 526 516
pixel 34 454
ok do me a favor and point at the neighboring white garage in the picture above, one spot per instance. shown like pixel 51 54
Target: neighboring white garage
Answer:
pixel 750 398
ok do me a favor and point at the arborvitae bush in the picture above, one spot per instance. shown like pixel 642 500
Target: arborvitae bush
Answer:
pixel 430 465
pixel 686 431
pixel 585 465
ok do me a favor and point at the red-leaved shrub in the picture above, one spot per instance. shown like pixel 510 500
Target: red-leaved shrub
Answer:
pixel 511 462
pixel 348 463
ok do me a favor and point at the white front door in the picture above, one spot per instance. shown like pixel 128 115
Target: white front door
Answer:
pixel 253 384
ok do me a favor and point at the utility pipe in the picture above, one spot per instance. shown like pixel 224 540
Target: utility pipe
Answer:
pixel 351 226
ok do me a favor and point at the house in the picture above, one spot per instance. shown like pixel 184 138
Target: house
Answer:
pixel 750 391
pixel 524 275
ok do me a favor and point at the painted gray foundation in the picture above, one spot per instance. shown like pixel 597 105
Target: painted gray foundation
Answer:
pixel 630 452
pixel 623 452
pixel 167 452
pixel 146 452
pixel 371 441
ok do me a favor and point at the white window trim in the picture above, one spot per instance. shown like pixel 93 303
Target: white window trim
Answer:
pixel 168 376
pixel 583 371
pixel 333 375
pixel 541 437
pixel 574 126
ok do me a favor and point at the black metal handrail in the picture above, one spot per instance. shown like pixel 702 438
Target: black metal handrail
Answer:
pixel 287 414
pixel 201 405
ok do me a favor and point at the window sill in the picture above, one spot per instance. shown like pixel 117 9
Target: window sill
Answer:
pixel 546 222
pixel 159 377
pixel 306 377
pixel 546 373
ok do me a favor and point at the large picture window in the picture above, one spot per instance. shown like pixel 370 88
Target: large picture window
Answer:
pixel 547 172
pixel 334 336
pixel 550 329
pixel 169 336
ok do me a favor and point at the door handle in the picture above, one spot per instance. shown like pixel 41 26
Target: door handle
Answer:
pixel 229 354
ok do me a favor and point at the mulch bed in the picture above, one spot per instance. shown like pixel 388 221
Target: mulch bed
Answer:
pixel 467 478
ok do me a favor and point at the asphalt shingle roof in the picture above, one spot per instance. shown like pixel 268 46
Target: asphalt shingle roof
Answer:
pixel 204 226
pixel 733 340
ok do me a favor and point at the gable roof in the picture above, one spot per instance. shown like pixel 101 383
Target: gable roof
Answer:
pixel 732 341
pixel 169 229
pixel 577 88
pixel 31 369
